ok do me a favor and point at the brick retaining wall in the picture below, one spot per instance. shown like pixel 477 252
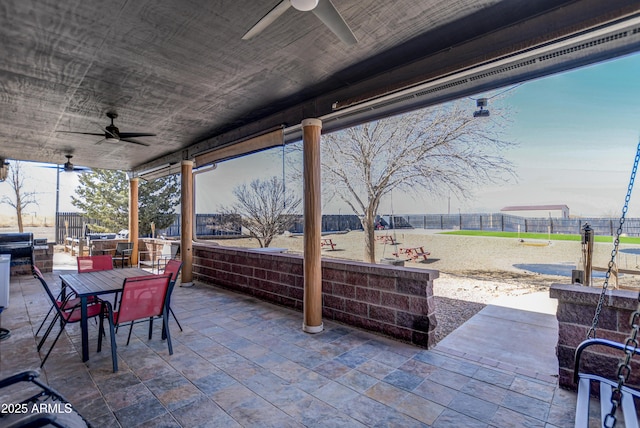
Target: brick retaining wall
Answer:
pixel 576 307
pixel 393 301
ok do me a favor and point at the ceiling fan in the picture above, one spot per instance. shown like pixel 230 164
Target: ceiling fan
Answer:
pixel 323 9
pixel 112 134
pixel 69 167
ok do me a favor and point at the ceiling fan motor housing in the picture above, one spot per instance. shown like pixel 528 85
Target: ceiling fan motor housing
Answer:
pixel 304 5
pixel 112 133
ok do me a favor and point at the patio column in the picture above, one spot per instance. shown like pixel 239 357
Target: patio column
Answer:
pixel 133 219
pixel 312 227
pixel 186 227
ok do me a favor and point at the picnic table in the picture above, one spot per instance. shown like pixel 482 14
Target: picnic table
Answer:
pixel 327 242
pixel 386 239
pixel 413 253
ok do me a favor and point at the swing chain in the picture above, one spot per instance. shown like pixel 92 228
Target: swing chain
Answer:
pixel 631 344
pixel 594 324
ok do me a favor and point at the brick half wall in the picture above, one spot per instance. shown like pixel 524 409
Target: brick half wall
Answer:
pixel 394 301
pixel 576 308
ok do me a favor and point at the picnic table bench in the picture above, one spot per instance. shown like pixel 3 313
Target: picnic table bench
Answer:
pixel 386 239
pixel 327 242
pixel 76 246
pixel 413 253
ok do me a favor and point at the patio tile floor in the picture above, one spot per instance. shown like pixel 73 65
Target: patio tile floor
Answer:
pixel 246 363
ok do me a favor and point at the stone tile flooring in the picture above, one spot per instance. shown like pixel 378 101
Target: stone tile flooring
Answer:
pixel 243 362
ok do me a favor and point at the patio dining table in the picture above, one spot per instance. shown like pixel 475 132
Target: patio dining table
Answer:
pixel 98 283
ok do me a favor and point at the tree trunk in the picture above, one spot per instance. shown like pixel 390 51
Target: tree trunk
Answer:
pixel 19 213
pixel 369 238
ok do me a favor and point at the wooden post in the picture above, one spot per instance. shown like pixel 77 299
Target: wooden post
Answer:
pixel 312 227
pixel 133 219
pixel 186 208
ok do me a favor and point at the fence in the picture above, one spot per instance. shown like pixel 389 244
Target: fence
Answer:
pixel 510 223
pixel 71 224
pixel 208 225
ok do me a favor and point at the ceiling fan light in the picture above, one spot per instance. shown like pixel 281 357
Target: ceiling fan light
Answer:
pixel 304 5
pixel 111 139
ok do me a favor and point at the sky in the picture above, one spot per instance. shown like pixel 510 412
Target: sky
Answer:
pixel 576 135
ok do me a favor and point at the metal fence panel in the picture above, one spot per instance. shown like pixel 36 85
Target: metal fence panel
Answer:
pixel 219 224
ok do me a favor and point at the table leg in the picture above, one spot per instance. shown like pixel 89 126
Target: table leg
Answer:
pixel 84 328
pixel 63 298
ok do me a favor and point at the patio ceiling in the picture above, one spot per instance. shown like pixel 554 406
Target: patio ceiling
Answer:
pixel 180 69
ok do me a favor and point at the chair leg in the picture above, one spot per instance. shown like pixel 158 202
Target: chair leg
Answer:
pixel 54 344
pixel 130 330
pixel 175 318
pixel 150 328
pixel 114 355
pixel 48 332
pixel 44 320
pixel 165 320
pixel 101 330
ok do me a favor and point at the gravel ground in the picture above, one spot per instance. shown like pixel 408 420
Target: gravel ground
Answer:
pixel 473 270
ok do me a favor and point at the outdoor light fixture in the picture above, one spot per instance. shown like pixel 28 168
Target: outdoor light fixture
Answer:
pixel 4 169
pixel 482 103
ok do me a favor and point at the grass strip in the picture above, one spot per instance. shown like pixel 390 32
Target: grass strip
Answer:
pixel 543 236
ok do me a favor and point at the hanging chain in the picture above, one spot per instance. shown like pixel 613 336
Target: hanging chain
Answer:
pixel 631 344
pixel 596 317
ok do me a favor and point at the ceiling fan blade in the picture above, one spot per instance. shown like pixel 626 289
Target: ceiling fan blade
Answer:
pixel 130 140
pixel 330 16
pixel 124 135
pixel 268 19
pixel 83 133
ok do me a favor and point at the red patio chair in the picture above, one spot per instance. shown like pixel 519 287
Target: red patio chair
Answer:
pixel 67 303
pixel 142 298
pixel 65 311
pixel 94 263
pixel 172 268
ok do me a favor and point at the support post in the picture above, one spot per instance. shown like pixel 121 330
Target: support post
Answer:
pixel 186 237
pixel 133 219
pixel 312 227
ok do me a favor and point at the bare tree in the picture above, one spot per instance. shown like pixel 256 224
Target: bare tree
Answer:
pixel 21 199
pixel 439 149
pixel 265 208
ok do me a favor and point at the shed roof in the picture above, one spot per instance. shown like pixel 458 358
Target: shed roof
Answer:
pixel 536 208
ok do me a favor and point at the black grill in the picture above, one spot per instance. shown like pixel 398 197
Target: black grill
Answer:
pixel 19 245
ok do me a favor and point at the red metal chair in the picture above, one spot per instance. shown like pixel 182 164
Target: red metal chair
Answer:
pixel 95 263
pixel 142 298
pixel 67 303
pixel 66 311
